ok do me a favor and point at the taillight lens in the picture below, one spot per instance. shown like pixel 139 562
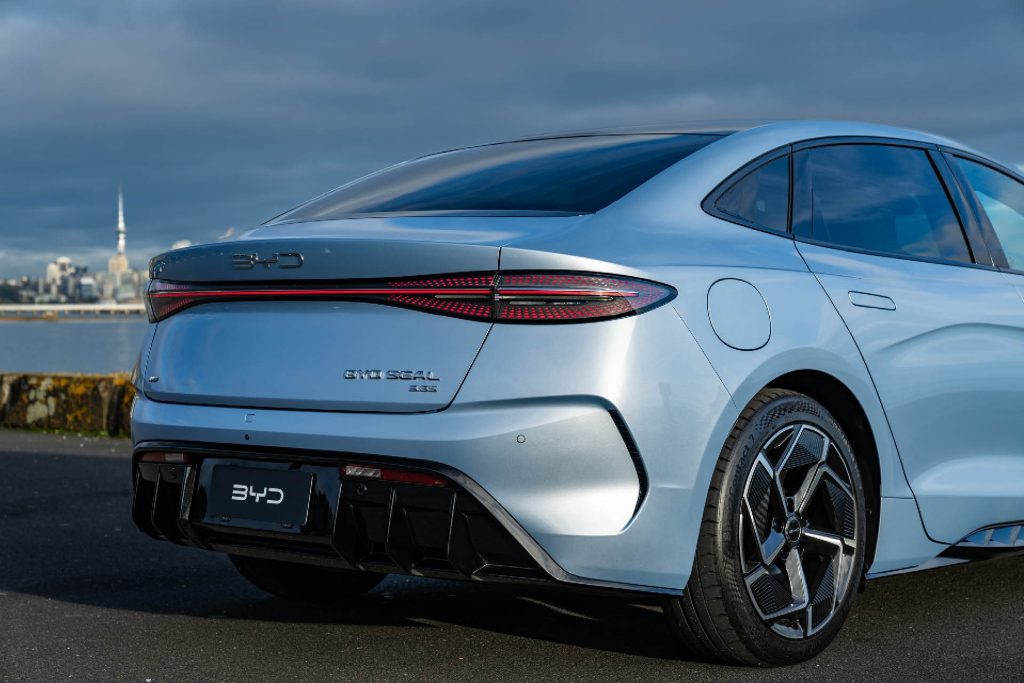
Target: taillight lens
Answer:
pixel 536 297
pixel 568 297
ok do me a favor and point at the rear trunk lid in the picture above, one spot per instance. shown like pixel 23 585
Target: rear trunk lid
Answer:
pixel 319 355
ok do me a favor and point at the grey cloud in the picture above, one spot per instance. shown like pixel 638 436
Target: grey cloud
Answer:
pixel 218 114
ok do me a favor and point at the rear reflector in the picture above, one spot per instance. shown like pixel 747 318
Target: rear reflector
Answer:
pixel 176 458
pixel 542 297
pixel 361 471
pixel 398 476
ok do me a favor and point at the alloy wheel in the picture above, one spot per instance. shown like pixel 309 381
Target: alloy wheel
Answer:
pixel 798 531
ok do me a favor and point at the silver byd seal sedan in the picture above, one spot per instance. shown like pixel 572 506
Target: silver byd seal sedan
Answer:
pixel 742 369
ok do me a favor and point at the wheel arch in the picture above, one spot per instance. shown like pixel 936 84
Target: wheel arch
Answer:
pixel 844 406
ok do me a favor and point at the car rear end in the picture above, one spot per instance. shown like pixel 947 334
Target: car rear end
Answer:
pixel 401 394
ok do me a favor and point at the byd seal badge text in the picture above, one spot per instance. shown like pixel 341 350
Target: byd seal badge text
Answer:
pixel 406 375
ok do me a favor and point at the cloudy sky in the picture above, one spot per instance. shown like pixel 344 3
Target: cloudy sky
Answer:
pixel 217 115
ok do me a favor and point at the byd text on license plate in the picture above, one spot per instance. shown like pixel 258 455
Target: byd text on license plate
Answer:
pixel 259 494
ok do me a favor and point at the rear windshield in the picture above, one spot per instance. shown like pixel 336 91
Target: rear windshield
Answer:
pixel 572 175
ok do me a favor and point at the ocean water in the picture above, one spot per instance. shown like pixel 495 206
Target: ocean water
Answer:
pixel 90 346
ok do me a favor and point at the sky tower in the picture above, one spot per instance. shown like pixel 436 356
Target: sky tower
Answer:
pixel 118 263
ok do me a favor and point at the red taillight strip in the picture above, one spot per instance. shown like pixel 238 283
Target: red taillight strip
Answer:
pixel 540 291
pixel 270 293
pixel 496 297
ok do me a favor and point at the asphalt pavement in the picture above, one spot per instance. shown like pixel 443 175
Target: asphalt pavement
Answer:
pixel 85 596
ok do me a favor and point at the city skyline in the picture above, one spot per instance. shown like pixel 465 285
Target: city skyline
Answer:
pixel 116 262
pixel 68 281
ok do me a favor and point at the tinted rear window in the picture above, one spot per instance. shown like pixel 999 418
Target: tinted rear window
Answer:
pixel 876 198
pixel 761 198
pixel 571 175
pixel 1002 199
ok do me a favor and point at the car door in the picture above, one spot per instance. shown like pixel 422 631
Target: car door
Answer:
pixel 940 331
pixel 996 196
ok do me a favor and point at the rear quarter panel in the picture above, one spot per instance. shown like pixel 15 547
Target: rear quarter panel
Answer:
pixel 660 232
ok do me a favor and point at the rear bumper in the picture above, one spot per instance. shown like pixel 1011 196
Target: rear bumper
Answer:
pixel 454 530
pixel 458 531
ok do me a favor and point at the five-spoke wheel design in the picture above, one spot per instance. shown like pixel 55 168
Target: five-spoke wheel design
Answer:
pixel 798 531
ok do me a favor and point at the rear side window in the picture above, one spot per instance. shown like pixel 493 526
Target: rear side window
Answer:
pixel 1002 198
pixel 571 175
pixel 760 198
pixel 876 198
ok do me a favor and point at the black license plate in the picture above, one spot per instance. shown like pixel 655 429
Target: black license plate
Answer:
pixel 259 495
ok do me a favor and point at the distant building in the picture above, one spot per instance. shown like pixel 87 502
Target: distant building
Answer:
pixel 58 270
pixel 61 281
pixel 118 263
pixel 87 290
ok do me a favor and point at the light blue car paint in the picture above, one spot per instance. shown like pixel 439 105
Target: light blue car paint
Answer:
pixel 940 376
pixel 947 363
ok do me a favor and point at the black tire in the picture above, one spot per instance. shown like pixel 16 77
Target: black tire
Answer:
pixel 721 615
pixel 303 582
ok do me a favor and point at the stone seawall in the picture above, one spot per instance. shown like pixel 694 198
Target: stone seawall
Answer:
pixel 97 404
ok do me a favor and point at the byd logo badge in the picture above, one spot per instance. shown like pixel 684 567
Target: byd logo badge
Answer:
pixel 286 259
pixel 270 496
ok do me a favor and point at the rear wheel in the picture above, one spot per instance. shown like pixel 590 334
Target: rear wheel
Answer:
pixel 781 545
pixel 305 583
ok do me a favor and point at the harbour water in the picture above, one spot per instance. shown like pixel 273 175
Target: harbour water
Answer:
pixel 88 346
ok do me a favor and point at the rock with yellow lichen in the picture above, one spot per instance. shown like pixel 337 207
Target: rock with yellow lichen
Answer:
pixel 97 404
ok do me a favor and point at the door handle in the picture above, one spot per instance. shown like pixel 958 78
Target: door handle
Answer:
pixel 865 300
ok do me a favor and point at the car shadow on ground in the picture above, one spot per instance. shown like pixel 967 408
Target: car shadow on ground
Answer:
pixel 215 591
pixel 83 549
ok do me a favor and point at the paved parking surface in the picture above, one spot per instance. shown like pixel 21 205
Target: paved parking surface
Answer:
pixel 84 596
